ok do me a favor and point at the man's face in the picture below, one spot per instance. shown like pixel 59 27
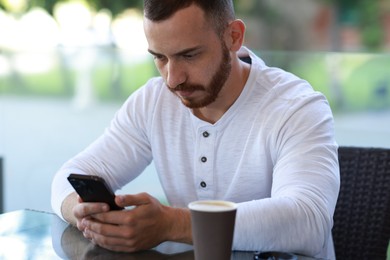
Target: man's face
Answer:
pixel 209 91
pixel 194 62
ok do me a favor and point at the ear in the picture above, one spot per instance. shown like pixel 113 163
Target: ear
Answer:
pixel 236 33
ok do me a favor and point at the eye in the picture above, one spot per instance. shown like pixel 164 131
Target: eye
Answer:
pixel 158 57
pixel 190 56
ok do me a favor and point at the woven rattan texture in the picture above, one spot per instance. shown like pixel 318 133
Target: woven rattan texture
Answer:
pixel 362 216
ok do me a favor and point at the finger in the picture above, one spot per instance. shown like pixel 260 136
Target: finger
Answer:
pixel 87 234
pixel 117 217
pixel 83 210
pixel 133 200
pixel 109 230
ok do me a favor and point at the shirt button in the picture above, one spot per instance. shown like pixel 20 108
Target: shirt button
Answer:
pixel 203 184
pixel 203 159
pixel 206 134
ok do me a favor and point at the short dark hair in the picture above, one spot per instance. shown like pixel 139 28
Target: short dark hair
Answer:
pixel 218 12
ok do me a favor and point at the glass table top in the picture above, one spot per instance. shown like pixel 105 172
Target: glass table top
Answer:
pixel 29 234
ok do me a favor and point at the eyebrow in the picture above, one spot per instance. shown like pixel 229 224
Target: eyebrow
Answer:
pixel 182 52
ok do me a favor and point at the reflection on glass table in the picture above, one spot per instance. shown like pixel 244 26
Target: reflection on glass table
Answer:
pixel 26 235
pixel 29 234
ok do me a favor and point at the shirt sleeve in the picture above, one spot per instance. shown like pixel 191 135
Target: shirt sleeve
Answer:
pixel 298 216
pixel 119 155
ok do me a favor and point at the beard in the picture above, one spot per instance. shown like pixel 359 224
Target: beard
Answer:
pixel 212 90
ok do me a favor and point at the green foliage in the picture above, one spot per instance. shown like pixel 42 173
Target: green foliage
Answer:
pixel 116 6
pixel 48 5
pixel 364 14
pixel 351 81
pixel 110 81
pixel 370 23
pixel 118 82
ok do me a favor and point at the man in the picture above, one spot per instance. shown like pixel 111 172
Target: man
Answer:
pixel 216 128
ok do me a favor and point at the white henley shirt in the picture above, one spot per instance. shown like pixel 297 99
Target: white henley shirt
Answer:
pixel 273 152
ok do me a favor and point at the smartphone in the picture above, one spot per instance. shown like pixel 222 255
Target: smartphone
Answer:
pixel 93 188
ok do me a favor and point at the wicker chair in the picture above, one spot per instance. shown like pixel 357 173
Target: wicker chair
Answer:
pixel 362 217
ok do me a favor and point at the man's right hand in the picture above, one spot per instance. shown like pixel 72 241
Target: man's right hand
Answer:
pixel 85 210
pixel 74 210
pixel 145 225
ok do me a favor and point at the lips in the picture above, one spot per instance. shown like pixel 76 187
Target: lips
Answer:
pixel 184 93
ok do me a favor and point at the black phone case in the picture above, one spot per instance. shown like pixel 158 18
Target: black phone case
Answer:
pixel 93 188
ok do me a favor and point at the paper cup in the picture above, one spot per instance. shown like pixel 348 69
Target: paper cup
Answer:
pixel 212 228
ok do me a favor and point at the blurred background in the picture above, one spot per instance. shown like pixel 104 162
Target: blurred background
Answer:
pixel 67 66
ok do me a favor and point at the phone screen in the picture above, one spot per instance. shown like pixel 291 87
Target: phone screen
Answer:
pixel 93 188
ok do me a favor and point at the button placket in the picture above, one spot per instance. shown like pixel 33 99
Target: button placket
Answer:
pixel 204 166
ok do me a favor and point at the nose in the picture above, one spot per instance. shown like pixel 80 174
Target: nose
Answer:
pixel 175 74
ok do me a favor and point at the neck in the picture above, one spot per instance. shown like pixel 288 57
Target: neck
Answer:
pixel 228 95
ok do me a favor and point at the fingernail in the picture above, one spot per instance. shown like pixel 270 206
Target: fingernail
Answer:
pixel 86 234
pixel 121 198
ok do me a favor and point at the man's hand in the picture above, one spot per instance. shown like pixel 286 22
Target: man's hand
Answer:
pixel 144 226
pixel 86 210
